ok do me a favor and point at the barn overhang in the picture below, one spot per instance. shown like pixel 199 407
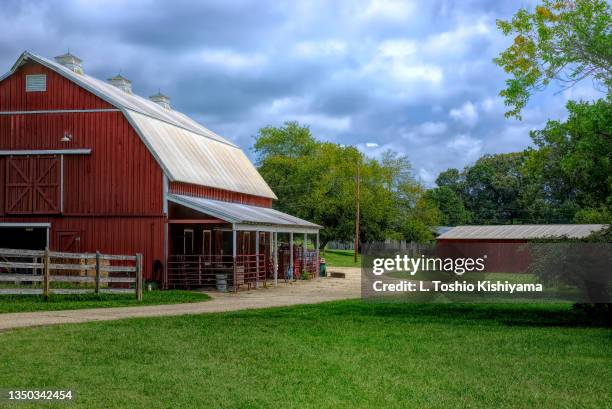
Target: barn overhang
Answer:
pixel 245 217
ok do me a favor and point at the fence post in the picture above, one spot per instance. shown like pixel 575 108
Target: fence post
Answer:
pixel 139 276
pixel 257 259
pixel 97 272
pixel 46 262
pixel 234 259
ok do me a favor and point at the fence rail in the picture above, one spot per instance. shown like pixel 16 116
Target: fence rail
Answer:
pixel 216 271
pixel 44 262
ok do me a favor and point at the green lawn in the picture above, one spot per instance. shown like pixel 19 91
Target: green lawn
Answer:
pixel 21 303
pixel 337 355
pixel 340 258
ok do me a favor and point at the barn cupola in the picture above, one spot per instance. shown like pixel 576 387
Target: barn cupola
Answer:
pixel 121 82
pixel 71 62
pixel 161 100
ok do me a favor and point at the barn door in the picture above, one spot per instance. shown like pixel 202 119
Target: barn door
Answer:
pixel 46 186
pixel 33 185
pixel 69 241
pixel 18 194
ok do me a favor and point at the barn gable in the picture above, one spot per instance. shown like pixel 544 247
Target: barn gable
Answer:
pixel 185 150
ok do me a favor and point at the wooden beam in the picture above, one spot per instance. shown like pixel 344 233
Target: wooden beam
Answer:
pixel 45 152
pixel 197 221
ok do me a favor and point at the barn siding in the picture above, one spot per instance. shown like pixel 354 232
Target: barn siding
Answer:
pixel 97 183
pixel 61 93
pixel 110 235
pixel 503 256
pixel 113 197
pixel 187 189
pixel 2 181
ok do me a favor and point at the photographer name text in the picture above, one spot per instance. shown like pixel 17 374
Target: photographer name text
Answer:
pixel 485 286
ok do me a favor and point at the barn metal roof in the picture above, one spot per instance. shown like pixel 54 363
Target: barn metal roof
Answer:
pixel 182 147
pixel 238 213
pixel 188 157
pixel 518 232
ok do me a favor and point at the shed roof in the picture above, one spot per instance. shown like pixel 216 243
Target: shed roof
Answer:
pixel 520 232
pixel 182 146
pixel 243 214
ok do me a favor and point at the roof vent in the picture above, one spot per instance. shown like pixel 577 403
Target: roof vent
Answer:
pixel 122 83
pixel 71 62
pixel 161 100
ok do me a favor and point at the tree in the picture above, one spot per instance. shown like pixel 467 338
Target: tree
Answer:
pixel 290 141
pixel 451 206
pixel 490 190
pixel 572 162
pixel 563 40
pixel 419 214
pixel 317 181
pixel 453 179
pixel 582 263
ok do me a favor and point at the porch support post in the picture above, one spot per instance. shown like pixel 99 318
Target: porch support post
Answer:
pixel 305 248
pixel 318 260
pixel 291 253
pixel 275 259
pixel 256 258
pixel 165 272
pixel 234 255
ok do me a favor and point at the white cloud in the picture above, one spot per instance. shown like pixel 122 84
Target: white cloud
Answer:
pixel 325 48
pixel 490 105
pixel 230 60
pixel 390 9
pixel 425 132
pixel 432 128
pixel 455 42
pixel 469 147
pixel 398 59
pixel 426 176
pixel 583 91
pixel 398 48
pixel 324 122
pixel 466 114
pixel 300 109
pixel 371 145
pixel 409 73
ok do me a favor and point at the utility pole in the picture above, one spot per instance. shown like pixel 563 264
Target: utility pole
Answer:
pixel 358 182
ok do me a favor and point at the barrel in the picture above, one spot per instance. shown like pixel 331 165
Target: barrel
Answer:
pixel 221 282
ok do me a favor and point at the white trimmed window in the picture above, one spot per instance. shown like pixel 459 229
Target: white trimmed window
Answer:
pixel 36 83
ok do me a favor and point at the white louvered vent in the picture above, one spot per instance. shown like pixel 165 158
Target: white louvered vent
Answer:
pixel 36 83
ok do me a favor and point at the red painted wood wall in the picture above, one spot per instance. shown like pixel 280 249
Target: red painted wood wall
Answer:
pixel 188 189
pixel 503 256
pixel 113 198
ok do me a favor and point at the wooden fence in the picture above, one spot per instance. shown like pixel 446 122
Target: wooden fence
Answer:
pixel 90 268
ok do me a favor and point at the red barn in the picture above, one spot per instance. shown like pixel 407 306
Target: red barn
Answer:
pixel 87 165
pixel 504 245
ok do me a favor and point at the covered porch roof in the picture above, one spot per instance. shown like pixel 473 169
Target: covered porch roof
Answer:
pixel 246 217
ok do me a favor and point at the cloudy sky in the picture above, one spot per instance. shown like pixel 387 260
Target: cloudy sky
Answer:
pixel 413 76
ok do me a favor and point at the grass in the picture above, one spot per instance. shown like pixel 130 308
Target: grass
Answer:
pixel 346 354
pixel 340 258
pixel 22 303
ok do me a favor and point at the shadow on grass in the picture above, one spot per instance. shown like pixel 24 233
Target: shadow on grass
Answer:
pixel 524 315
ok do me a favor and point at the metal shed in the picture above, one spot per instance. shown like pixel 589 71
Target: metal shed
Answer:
pixel 504 245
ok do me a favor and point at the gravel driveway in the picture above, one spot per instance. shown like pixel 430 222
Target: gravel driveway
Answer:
pixel 301 292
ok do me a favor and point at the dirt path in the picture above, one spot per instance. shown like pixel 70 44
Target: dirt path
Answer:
pixel 302 292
